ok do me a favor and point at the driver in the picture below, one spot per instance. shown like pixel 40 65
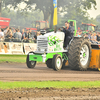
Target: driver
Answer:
pixel 68 34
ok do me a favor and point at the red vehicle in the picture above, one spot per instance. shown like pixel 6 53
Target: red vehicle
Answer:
pixel 33 29
pixel 4 22
pixel 39 25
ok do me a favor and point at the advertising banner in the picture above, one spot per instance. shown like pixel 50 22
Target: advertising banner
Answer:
pixel 16 48
pixel 28 47
pixel 4 48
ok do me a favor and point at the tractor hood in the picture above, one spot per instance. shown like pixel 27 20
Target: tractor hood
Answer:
pixel 51 35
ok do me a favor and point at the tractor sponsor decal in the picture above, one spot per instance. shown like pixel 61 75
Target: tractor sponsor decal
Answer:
pixel 54 41
pixel 57 48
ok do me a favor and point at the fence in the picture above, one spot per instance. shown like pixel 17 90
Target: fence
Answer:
pixel 17 47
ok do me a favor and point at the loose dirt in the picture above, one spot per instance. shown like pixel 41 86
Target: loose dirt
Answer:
pixel 51 94
pixel 19 72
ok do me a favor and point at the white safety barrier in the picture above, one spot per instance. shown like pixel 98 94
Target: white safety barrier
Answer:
pixel 17 48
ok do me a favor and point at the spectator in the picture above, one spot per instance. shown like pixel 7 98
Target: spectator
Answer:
pixel 1 35
pixel 79 34
pixel 8 36
pixel 98 37
pixel 17 36
pixel 30 33
pixel 35 37
pixel 91 38
pixel 23 32
pixel 94 37
pixel 5 31
pixel 14 31
pixel 89 35
pixel 86 35
pixel 26 36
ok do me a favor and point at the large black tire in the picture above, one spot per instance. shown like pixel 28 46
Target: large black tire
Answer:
pixel 49 63
pixel 79 54
pixel 57 62
pixel 30 64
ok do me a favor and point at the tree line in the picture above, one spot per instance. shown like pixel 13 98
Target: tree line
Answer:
pixel 43 10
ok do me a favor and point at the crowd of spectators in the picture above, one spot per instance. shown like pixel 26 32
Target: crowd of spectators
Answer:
pixel 94 37
pixel 16 35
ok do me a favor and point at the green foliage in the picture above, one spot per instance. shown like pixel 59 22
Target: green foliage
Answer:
pixel 76 11
pixel 23 19
pixel 98 20
pixel 75 8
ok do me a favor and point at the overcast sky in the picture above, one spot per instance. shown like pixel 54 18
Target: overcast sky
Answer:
pixel 93 13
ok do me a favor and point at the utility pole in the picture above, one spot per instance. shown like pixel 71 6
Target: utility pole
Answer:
pixel 0 7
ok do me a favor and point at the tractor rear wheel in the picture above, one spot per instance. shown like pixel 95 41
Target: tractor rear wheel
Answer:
pixel 79 54
pixel 57 62
pixel 49 63
pixel 30 64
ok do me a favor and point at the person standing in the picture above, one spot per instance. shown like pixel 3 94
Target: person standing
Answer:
pixel 68 34
pixel 35 37
pixel 1 35
pixel 5 31
pixel 89 35
pixel 8 36
pixel 17 36
pixel 98 37
pixel 30 33
pixel 23 32
pixel 26 36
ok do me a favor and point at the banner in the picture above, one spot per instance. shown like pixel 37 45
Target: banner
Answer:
pixel 4 48
pixel 28 47
pixel 55 12
pixel 16 48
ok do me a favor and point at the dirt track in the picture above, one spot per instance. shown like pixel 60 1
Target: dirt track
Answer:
pixel 19 72
pixel 51 94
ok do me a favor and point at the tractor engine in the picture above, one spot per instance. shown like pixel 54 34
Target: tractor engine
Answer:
pixel 50 42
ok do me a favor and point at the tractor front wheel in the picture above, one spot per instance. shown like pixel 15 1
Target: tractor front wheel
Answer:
pixel 30 64
pixel 57 62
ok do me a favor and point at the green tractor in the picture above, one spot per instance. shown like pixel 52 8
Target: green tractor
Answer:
pixel 50 51
pixel 85 27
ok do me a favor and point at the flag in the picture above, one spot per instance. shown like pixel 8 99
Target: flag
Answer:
pixel 55 12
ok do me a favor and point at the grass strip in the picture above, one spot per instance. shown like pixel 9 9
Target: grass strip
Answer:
pixel 45 84
pixel 13 58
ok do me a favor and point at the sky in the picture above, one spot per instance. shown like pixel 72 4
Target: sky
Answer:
pixel 93 13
